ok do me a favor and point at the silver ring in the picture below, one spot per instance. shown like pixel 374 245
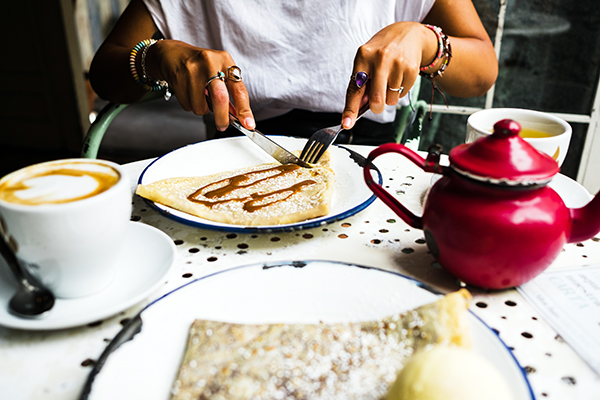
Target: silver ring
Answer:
pixel 360 78
pixel 234 73
pixel 399 90
pixel 220 75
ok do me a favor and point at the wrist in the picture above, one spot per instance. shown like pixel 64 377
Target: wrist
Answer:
pixel 442 57
pixel 432 51
pixel 139 71
pixel 152 61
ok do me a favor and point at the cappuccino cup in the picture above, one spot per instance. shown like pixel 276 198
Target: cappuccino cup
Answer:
pixel 66 220
pixel 545 132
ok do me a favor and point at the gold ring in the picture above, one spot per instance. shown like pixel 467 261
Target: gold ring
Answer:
pixel 220 75
pixel 234 73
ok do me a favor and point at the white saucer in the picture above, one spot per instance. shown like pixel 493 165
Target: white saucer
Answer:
pixel 146 259
pixel 573 194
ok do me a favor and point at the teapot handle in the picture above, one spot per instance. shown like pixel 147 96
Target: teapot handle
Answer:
pixel 431 164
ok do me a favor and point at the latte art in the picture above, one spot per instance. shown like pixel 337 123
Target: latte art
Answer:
pixel 57 183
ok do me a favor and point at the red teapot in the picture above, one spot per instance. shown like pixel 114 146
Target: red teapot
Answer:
pixel 491 220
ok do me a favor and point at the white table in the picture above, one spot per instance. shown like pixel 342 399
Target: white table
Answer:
pixel 54 364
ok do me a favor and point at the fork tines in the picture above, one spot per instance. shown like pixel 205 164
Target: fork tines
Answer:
pixel 312 152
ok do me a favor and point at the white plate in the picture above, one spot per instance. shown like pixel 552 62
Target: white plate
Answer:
pixel 290 292
pixel 146 258
pixel 350 195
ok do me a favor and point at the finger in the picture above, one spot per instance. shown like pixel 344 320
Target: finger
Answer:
pixel 408 81
pixel 354 94
pixel 220 102
pixel 378 91
pixel 240 98
pixel 395 87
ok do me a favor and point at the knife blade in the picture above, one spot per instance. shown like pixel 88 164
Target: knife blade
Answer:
pixel 267 145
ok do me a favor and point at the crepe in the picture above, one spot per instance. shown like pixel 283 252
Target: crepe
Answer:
pixel 358 360
pixel 267 194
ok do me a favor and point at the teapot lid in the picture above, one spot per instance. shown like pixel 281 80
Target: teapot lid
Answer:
pixel 503 158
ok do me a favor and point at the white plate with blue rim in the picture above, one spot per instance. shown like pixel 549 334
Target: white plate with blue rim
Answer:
pixel 150 347
pixel 350 195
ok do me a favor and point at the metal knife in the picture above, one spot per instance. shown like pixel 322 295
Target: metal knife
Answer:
pixel 270 147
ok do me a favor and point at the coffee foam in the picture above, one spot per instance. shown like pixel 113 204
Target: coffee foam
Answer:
pixel 56 183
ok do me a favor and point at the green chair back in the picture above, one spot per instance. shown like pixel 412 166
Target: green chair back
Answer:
pixel 94 136
pixel 409 119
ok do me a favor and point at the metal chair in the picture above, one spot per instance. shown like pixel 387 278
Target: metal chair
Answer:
pixel 409 123
pixel 95 134
pixel 409 119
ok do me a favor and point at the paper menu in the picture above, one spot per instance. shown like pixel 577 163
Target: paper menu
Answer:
pixel 569 300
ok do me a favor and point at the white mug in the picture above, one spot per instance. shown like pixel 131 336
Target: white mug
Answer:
pixel 66 220
pixel 547 133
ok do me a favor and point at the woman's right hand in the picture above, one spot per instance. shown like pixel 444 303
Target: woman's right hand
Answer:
pixel 188 69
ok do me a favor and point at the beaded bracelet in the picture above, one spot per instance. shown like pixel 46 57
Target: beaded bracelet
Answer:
pixel 145 80
pixel 438 33
pixel 444 51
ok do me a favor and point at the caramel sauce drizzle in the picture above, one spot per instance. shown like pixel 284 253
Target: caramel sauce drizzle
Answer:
pixel 251 202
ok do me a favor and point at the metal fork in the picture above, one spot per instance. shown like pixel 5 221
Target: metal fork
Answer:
pixel 320 141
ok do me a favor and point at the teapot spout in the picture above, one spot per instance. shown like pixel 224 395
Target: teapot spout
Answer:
pixel 585 221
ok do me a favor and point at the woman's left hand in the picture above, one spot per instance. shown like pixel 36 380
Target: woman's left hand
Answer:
pixel 391 59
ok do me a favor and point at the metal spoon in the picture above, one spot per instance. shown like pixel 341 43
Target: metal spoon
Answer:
pixel 32 299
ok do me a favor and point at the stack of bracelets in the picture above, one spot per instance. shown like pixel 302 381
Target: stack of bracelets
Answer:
pixel 444 52
pixel 144 80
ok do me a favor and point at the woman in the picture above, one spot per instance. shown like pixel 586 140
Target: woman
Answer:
pixel 306 65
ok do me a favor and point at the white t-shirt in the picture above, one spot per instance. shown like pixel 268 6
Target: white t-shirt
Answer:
pixel 292 53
